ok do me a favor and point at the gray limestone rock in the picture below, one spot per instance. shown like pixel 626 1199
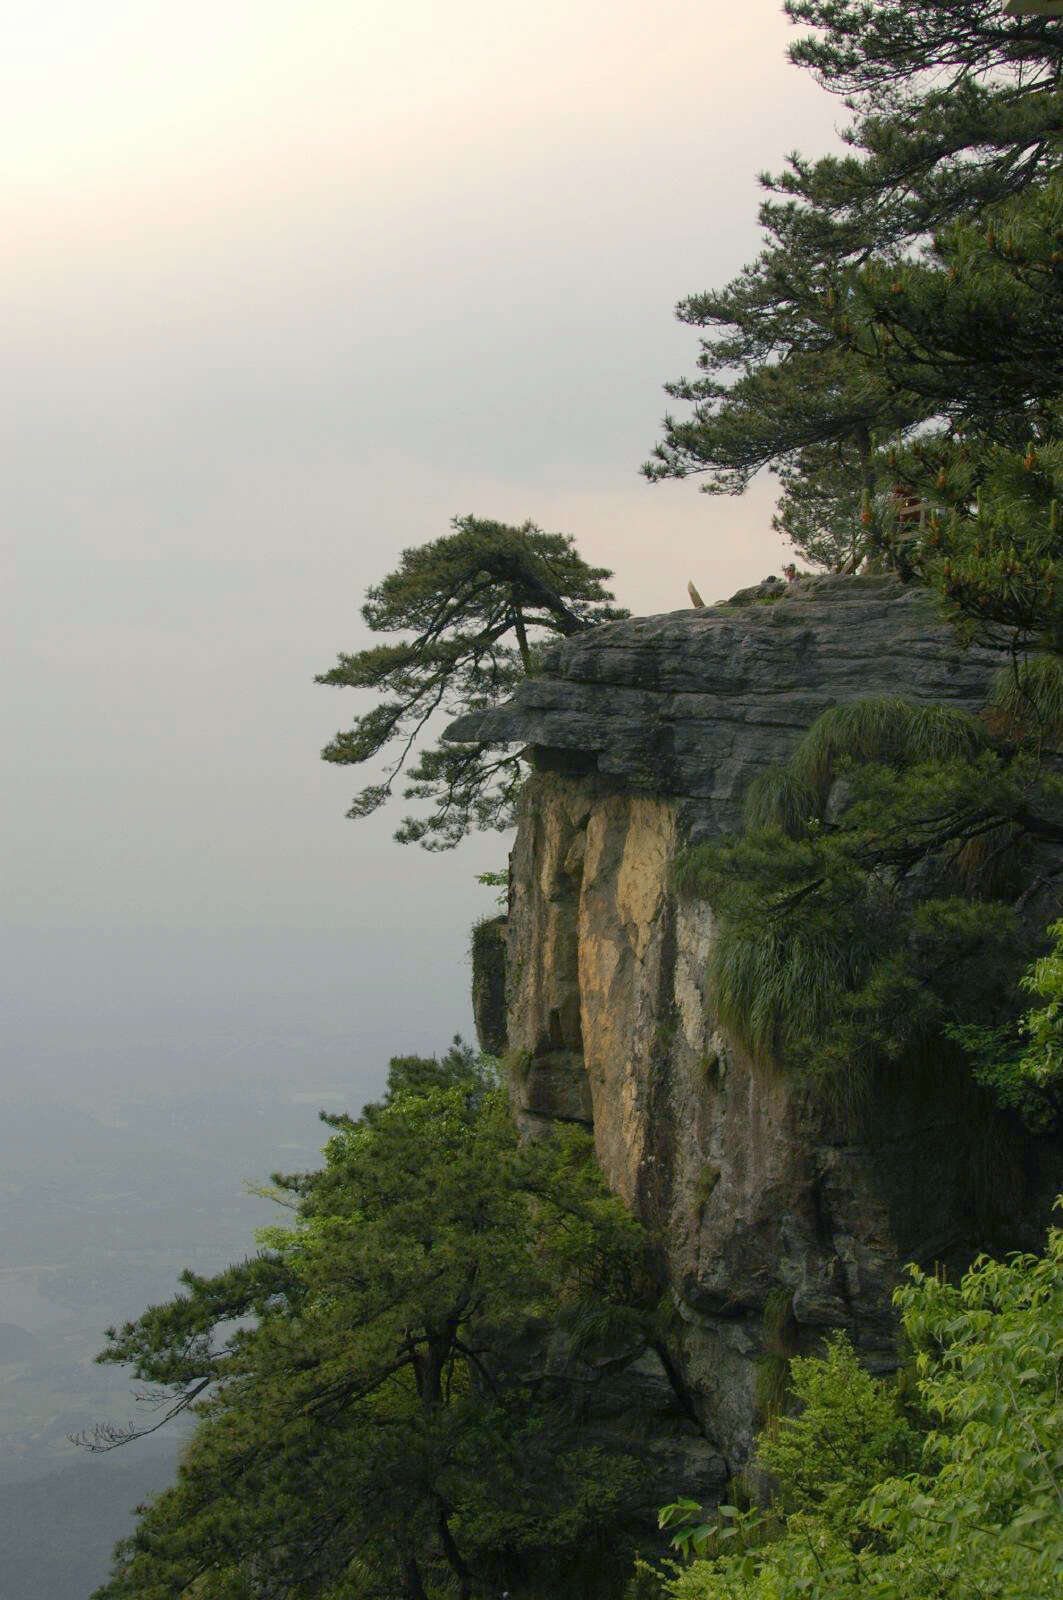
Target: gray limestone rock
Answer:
pixel 692 704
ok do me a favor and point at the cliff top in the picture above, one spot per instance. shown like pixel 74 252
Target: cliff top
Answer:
pixel 693 703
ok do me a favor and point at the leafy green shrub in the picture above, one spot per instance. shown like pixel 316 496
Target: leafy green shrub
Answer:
pixel 848 1435
pixel 1022 1064
pixel 965 1502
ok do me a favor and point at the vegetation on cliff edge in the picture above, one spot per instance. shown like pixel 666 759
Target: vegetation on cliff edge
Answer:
pixel 471 610
pixel 944 1489
pixel 872 914
pixel 405 1392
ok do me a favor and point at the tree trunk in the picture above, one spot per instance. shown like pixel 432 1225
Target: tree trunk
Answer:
pixel 412 1586
pixel 453 1554
pixel 871 545
pixel 535 590
pixel 522 639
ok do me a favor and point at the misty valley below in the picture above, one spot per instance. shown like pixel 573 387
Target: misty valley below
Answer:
pixel 105 1201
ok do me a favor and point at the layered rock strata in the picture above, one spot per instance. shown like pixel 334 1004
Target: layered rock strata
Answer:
pixel 691 704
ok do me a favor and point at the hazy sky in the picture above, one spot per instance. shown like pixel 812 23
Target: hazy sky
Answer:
pixel 284 289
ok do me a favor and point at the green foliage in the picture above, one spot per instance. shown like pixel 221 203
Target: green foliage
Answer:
pixel 401 1394
pixel 779 989
pixel 1022 1064
pixel 778 1313
pixel 777 798
pixel 848 1435
pixel 1044 1024
pixel 516 1065
pixel 861 917
pixel 845 338
pixel 1027 698
pixel 853 974
pixel 784 384
pixel 883 730
pixel 824 495
pixel 974 326
pixel 961 1499
pixel 485 936
pixel 496 880
pixel 731 1528
pixel 473 606
pixel 956 108
pixel 488 951
pixel 995 554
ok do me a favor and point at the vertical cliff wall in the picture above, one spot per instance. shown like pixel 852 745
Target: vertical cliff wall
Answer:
pixel 777 1218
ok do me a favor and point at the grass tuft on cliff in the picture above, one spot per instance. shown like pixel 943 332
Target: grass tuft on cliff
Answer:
pixel 778 798
pixel 883 729
pixel 868 910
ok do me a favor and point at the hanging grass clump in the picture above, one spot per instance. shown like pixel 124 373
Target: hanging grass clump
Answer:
pixel 781 990
pixel 847 936
pixel 779 799
pixel 885 730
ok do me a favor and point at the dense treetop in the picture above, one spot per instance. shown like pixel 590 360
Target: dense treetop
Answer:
pixel 905 285
pixel 400 1394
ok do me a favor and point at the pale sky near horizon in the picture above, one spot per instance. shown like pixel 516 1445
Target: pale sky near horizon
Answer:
pixel 285 288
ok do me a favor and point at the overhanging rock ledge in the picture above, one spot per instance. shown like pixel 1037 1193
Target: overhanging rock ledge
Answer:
pixel 691 704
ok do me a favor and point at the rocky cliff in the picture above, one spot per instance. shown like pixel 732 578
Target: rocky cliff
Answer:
pixel 778 1218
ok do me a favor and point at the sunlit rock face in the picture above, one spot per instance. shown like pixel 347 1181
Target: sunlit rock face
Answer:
pixel 779 1218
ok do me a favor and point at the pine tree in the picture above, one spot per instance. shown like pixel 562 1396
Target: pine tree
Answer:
pixel 958 106
pixel 788 384
pixel 473 605
pixel 975 327
pixel 400 1395
pixel 823 505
